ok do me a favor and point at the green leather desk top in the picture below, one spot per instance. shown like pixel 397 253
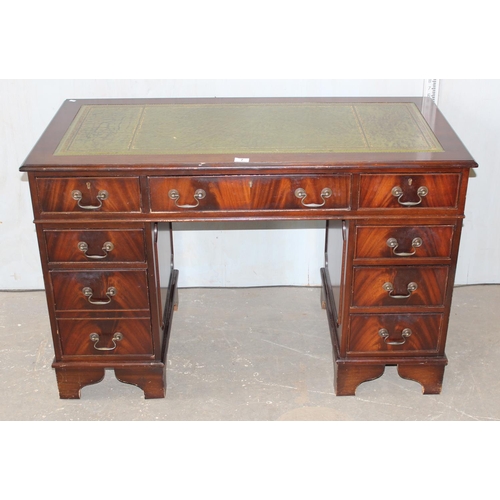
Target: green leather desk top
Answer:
pixel 245 128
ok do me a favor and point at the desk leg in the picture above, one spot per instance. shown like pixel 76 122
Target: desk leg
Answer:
pixel 171 305
pixel 151 379
pixel 429 376
pixel 349 375
pixel 70 380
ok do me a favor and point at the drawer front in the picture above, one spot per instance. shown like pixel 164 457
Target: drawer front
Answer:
pixel 100 290
pixel 174 194
pixel 409 191
pixel 302 192
pixel 394 334
pixel 381 242
pixel 95 246
pixel 89 195
pixel 90 337
pixel 399 286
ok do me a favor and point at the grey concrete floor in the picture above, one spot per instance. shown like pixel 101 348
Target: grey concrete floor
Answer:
pixel 257 354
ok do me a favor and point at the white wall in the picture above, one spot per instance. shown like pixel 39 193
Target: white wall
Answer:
pixel 473 109
pixel 238 254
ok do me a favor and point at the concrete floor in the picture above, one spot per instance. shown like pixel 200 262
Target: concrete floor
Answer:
pixel 258 354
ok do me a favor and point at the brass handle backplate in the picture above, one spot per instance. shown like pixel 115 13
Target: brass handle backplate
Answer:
pixel 199 194
pixel 88 292
pixel 107 247
pixel 301 194
pixel 393 243
pixel 397 192
pixel 389 288
pixel 94 337
pixel 101 195
pixel 404 335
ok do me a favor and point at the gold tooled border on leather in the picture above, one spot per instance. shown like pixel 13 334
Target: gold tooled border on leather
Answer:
pixel 246 128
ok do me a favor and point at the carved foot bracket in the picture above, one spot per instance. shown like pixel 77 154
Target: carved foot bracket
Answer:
pixel 349 375
pixel 70 380
pixel 151 379
pixel 429 376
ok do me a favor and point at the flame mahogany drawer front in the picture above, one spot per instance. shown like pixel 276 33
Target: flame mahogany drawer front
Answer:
pixel 174 194
pixel 89 195
pixel 399 286
pixel 100 290
pixel 403 242
pixel 390 334
pixel 95 246
pixel 404 191
pixel 105 337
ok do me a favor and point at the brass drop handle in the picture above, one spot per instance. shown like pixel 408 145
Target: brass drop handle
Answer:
pixel 389 288
pixel 88 292
pixel 199 194
pixel 107 247
pixel 94 337
pixel 393 243
pixel 301 194
pixel 404 334
pixel 101 195
pixel 422 191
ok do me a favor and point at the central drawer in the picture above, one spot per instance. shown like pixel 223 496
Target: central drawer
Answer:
pixel 174 194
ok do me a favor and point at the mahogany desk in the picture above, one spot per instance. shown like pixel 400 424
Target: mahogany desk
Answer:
pixel 106 172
